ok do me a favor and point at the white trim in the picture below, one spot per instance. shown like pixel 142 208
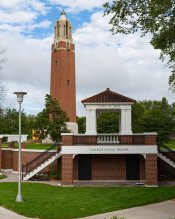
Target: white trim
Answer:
pixel 7 170
pixel 29 150
pixel 65 134
pixel 109 103
pixel 25 150
pixel 14 171
pixel 7 149
pixel 144 133
pixel 151 186
pixel 108 149
pixel 150 133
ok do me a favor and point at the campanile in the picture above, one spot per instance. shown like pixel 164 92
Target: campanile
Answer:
pixel 62 86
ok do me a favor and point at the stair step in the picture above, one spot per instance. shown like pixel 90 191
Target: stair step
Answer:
pixel 42 166
pixel 167 160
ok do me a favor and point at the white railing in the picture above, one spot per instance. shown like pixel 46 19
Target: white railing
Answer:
pixel 107 139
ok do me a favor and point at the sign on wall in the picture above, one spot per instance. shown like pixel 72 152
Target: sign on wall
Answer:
pixel 124 149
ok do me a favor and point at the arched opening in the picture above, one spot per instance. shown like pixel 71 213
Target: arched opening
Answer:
pixel 107 122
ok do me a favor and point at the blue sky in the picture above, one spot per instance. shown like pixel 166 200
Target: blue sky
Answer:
pixel 126 64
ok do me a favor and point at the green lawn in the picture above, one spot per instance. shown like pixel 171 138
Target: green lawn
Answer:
pixel 3 176
pixel 171 144
pixel 51 202
pixel 32 146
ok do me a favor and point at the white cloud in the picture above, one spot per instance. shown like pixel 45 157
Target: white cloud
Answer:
pixel 27 68
pixel 126 64
pixel 78 5
pixel 19 4
pixel 44 24
pixel 17 17
pixel 21 15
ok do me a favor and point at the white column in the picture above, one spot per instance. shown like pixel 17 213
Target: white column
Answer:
pixel 125 122
pixel 91 127
pixel 119 121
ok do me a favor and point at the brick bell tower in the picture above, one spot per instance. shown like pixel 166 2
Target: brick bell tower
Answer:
pixel 62 86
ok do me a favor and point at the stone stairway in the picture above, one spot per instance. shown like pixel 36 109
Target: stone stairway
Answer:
pixel 166 159
pixel 42 166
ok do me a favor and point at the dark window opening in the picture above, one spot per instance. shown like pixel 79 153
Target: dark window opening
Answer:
pixel 66 29
pixel 68 82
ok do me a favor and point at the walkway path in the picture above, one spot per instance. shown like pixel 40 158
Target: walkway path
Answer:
pixel 13 177
pixel 6 214
pixel 163 210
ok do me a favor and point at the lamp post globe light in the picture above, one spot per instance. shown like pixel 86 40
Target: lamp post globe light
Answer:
pixel 20 96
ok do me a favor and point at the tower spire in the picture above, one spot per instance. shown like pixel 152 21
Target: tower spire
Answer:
pixel 63 12
pixel 63 30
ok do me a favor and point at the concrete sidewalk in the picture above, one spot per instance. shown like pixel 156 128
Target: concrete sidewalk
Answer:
pixel 6 214
pixel 163 210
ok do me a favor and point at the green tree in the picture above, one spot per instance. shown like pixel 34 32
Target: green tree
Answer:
pixel 107 122
pixel 52 118
pixel 137 117
pixel 10 122
pixel 147 16
pixel 81 121
pixel 159 119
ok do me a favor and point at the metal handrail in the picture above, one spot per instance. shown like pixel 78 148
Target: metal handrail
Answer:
pixel 28 167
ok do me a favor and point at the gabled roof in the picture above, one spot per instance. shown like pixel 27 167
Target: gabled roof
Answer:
pixel 108 96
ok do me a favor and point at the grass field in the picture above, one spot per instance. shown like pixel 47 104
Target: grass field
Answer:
pixel 51 202
pixel 2 176
pixel 171 144
pixel 32 146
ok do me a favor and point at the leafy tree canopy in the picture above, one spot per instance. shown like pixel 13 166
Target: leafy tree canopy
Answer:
pixel 81 121
pixel 107 122
pixel 154 116
pixel 9 119
pixel 148 16
pixel 52 118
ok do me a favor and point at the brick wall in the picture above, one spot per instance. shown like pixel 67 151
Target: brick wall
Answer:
pixel 25 157
pixel 67 139
pixel 89 140
pixel 151 172
pixel 67 169
pixel 125 139
pixel 7 159
pixel 63 79
pixel 151 139
pixel 10 159
pixel 108 167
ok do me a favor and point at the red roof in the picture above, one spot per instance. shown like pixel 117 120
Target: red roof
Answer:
pixel 108 96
